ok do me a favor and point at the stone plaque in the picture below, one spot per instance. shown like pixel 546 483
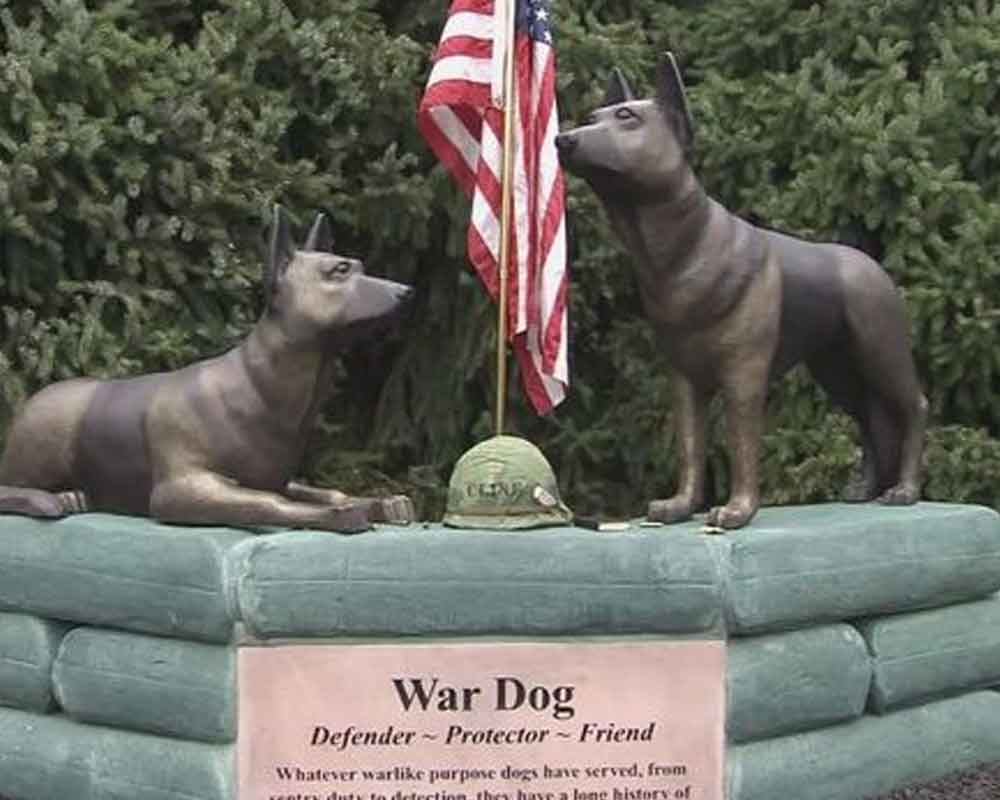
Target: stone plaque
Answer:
pixel 639 720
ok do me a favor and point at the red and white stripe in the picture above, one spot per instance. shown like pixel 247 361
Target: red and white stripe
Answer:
pixel 464 127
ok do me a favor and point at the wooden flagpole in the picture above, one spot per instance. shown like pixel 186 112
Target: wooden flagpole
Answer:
pixel 506 189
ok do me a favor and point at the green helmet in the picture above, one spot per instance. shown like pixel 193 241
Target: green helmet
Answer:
pixel 504 483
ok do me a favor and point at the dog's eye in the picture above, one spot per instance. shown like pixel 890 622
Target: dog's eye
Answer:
pixel 625 113
pixel 338 269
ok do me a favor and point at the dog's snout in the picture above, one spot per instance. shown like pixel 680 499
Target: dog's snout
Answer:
pixel 565 143
pixel 405 293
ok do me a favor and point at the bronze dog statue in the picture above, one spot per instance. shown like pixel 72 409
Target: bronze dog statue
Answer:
pixel 218 442
pixel 735 305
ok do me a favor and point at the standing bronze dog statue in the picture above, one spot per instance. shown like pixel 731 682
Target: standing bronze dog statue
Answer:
pixel 218 442
pixel 735 305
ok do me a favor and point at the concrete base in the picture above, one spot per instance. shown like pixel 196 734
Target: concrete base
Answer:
pixel 829 610
pixel 870 756
pixel 163 686
pixel 928 654
pixel 119 572
pixel 52 758
pixel 28 646
pixel 802 680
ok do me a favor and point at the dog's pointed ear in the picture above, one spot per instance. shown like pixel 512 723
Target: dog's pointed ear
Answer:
pixel 281 251
pixel 618 90
pixel 672 98
pixel 320 239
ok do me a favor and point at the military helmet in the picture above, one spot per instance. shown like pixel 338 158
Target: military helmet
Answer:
pixel 504 483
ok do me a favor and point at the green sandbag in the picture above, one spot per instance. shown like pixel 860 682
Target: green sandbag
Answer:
pixel 803 566
pixel 929 654
pixel 435 581
pixel 162 686
pixel 28 646
pixel 119 572
pixel 49 757
pixel 870 756
pixel 795 681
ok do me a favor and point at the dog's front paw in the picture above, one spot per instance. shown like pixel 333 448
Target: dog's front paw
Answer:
pixel 349 518
pixel 735 514
pixel 73 502
pixel 33 503
pixel 673 509
pixel 396 510
pixel 903 494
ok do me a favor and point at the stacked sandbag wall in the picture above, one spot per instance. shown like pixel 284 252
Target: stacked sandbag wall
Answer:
pixel 861 638
pixel 861 643
pixel 117 663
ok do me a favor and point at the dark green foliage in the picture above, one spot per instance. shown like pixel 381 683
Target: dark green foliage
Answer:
pixel 142 143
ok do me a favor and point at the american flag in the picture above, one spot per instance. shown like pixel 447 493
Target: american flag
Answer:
pixel 460 116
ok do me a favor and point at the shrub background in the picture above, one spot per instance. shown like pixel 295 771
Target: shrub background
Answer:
pixel 142 143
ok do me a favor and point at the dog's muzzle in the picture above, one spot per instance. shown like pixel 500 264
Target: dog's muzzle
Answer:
pixel 405 294
pixel 565 143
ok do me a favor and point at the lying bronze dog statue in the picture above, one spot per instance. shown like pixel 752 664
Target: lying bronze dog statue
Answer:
pixel 735 305
pixel 218 442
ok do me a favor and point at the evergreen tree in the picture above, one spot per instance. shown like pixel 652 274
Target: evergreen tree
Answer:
pixel 142 144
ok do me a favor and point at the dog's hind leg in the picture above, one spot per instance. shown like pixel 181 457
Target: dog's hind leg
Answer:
pixel 690 417
pixel 879 332
pixel 903 422
pixel 885 433
pixel 845 388
pixel 37 468
pixel 907 491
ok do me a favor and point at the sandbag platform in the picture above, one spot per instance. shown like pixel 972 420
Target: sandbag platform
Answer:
pixel 863 641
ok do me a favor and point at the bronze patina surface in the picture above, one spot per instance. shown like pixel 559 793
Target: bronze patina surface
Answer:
pixel 735 305
pixel 218 442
